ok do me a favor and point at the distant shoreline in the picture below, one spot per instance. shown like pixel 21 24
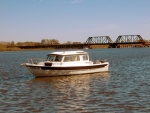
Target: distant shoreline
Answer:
pixel 18 49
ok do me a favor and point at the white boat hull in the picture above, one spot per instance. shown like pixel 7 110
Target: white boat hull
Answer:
pixel 47 71
pixel 66 63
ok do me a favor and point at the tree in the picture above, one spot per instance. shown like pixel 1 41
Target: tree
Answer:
pixel 49 41
pixel 68 42
pixel 11 44
pixel 76 42
pixel 54 42
pixel 43 41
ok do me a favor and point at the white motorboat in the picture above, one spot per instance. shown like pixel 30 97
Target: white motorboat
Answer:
pixel 66 63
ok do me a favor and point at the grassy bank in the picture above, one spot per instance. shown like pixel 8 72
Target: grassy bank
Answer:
pixel 18 49
pixel 9 49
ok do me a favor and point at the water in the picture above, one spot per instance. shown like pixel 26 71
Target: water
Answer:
pixel 124 89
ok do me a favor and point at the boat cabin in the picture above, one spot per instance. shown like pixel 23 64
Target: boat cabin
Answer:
pixel 67 57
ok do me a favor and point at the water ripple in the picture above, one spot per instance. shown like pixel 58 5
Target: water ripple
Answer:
pixel 124 89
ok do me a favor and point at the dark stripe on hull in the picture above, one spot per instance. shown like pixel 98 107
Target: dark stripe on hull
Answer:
pixel 68 68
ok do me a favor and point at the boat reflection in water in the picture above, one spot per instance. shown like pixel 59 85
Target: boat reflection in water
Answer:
pixel 72 91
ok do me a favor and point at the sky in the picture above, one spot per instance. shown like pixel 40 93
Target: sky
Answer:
pixel 72 20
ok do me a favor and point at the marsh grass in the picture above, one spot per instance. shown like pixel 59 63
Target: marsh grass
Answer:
pixel 9 49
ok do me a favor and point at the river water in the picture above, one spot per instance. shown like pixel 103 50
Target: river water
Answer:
pixel 124 89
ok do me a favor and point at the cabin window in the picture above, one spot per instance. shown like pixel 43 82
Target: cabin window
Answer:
pixel 67 58
pixel 85 57
pixel 71 58
pixel 75 58
pixel 58 58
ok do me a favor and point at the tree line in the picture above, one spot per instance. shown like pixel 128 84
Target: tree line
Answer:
pixel 12 44
pixel 9 46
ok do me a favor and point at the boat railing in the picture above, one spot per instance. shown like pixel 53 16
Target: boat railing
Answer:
pixel 34 60
pixel 100 61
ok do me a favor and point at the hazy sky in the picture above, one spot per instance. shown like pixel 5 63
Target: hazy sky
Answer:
pixel 72 20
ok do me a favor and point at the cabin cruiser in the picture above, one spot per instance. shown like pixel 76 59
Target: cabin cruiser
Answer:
pixel 66 63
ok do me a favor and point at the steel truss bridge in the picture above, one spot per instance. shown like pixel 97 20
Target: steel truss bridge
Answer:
pixel 121 41
pixel 129 39
pixel 98 41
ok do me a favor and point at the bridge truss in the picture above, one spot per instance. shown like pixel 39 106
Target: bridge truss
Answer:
pixel 129 39
pixel 99 40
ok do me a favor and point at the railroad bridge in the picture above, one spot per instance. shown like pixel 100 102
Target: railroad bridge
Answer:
pixel 123 41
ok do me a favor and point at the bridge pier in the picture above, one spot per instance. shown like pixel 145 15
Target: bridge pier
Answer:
pixel 115 45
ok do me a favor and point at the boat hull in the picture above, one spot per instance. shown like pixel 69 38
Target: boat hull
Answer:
pixel 47 71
